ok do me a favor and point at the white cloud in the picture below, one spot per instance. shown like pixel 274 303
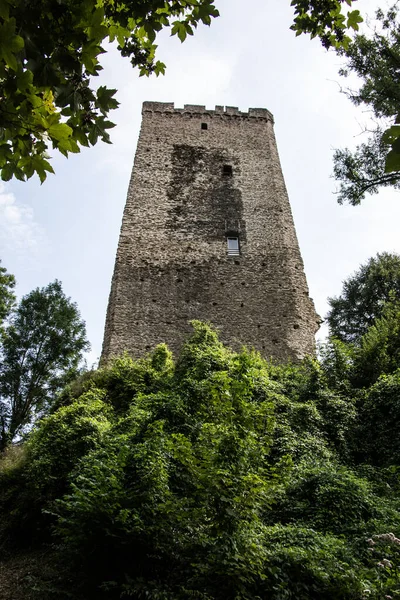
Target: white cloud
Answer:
pixel 19 230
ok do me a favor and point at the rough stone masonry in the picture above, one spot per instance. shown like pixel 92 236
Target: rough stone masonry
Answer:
pixel 208 234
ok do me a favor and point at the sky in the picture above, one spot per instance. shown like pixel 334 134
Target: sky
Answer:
pixel 68 228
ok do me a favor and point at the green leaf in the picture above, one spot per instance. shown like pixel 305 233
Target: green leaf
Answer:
pixel 353 19
pixel 7 172
pixel 4 10
pixel 9 58
pixel 159 68
pixel 40 165
pixel 60 131
pixel 27 166
pixel 19 174
pixel 81 137
pixel 150 31
pixel 47 166
pixel 179 29
pixel 24 79
pixel 98 129
pixel 89 56
pixel 391 135
pixel 68 145
pixel 392 162
pixel 10 44
pixel 105 100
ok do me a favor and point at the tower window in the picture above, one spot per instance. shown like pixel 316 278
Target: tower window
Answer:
pixel 227 170
pixel 233 246
pixel 204 126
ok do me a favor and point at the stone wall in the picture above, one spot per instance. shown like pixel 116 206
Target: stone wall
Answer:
pixel 199 176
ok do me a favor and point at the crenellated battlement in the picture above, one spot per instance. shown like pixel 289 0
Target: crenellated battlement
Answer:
pixel 198 109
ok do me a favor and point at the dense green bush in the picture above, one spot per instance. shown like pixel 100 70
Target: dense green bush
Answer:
pixel 220 477
pixel 332 499
pixel 303 564
pixel 29 484
pixel 175 492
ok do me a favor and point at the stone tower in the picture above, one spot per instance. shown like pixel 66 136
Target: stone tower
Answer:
pixel 208 234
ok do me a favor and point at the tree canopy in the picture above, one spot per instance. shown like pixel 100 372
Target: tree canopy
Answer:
pixel 40 351
pixel 50 50
pixel 364 296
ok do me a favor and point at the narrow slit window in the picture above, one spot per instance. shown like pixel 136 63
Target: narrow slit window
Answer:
pixel 204 126
pixel 233 246
pixel 227 170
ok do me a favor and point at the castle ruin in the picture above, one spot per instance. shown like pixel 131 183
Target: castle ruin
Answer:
pixel 208 234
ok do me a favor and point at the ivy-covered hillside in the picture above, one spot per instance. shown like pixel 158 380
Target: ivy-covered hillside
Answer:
pixel 219 476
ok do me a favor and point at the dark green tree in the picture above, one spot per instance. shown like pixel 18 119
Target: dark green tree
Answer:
pixel 379 350
pixel 41 350
pixel 7 296
pixel 375 59
pixel 376 431
pixel 367 375
pixel 363 297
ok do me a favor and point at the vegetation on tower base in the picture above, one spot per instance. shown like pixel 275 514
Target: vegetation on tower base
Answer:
pixel 218 476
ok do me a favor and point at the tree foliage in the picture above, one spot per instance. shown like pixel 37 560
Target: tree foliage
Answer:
pixel 363 297
pixel 375 59
pixel 379 418
pixel 49 52
pixel 41 349
pixel 217 476
pixel 362 171
pixel 327 20
pixel 379 351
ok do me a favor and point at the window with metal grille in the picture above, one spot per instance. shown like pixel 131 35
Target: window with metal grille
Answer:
pixel 204 126
pixel 233 246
